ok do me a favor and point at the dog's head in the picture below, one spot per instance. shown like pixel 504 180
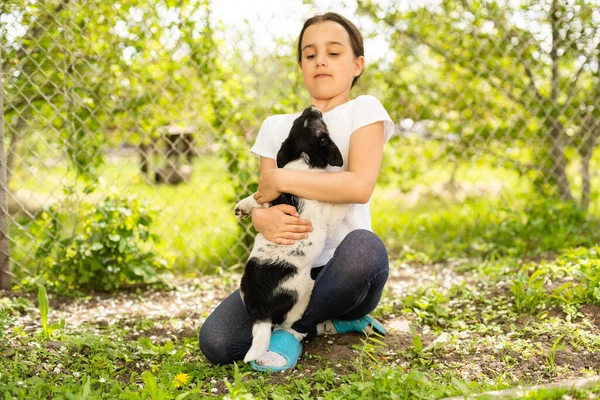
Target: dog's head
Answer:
pixel 309 138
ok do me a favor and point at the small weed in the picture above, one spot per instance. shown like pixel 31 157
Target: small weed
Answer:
pixel 44 308
pixel 238 390
pixel 428 306
pixel 416 340
pixel 368 353
pixel 529 293
pixel 552 354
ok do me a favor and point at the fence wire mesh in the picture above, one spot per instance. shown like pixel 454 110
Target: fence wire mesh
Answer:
pixel 494 100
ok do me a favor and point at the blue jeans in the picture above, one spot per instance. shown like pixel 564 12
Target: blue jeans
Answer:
pixel 347 288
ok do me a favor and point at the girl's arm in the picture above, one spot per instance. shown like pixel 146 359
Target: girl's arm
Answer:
pixel 355 185
pixel 279 224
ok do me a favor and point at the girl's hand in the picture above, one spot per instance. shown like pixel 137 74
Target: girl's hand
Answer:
pixel 280 224
pixel 268 186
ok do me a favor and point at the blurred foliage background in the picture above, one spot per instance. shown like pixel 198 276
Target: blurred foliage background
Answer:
pixel 127 127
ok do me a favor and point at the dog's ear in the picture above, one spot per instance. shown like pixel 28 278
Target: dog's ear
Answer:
pixel 334 156
pixel 283 155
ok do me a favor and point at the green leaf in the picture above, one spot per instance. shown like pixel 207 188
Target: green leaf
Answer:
pixel 86 389
pixel 416 339
pixel 150 386
pixel 461 386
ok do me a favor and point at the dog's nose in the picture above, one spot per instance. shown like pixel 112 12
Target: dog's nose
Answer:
pixel 312 111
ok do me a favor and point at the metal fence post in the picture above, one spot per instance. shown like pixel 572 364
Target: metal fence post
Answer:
pixel 4 242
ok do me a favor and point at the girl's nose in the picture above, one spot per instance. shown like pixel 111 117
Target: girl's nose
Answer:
pixel 321 61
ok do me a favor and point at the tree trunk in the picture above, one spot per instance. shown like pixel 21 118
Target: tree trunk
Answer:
pixel 558 169
pixel 559 164
pixel 5 273
pixel 585 180
pixel 144 151
pixel 589 134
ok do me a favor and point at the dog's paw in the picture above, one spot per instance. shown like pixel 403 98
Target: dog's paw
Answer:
pixel 241 210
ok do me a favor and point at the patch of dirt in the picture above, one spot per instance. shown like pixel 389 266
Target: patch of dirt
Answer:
pixel 556 312
pixel 168 332
pixel 524 320
pixel 332 348
pixel 177 313
pixel 152 304
pixel 577 361
pixel 592 312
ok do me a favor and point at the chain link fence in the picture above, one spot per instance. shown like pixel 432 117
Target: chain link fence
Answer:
pixel 495 103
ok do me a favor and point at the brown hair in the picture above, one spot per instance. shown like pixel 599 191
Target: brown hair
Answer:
pixel 356 39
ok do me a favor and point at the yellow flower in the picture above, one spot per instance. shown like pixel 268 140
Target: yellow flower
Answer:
pixel 180 380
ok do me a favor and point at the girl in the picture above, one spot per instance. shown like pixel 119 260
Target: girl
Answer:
pixel 352 270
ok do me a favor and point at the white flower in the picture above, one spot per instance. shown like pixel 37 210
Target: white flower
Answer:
pixel 102 380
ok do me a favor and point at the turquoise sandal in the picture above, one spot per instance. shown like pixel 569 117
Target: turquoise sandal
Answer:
pixel 285 344
pixel 358 325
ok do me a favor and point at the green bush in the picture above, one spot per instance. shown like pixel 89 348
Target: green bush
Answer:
pixel 541 226
pixel 107 246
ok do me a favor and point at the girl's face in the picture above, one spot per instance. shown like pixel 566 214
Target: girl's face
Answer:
pixel 328 62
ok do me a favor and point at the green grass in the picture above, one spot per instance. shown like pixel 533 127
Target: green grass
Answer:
pixel 468 337
pixel 480 227
pixel 108 365
pixel 195 220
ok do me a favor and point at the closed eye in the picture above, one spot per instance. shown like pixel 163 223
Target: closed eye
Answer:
pixel 311 56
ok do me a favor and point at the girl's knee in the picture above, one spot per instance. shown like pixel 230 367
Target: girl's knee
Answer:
pixel 367 247
pixel 214 345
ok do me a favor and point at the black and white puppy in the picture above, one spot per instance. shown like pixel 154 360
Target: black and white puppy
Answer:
pixel 276 285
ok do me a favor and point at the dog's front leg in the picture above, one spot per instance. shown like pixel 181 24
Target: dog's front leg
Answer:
pixel 244 208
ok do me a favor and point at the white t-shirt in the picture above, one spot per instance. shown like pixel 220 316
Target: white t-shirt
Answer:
pixel 341 121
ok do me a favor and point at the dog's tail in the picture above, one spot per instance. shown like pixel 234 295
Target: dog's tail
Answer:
pixel 261 335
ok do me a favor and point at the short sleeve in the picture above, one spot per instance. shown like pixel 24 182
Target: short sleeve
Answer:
pixel 263 145
pixel 368 110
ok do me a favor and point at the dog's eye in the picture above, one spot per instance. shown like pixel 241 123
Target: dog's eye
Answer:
pixel 323 142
